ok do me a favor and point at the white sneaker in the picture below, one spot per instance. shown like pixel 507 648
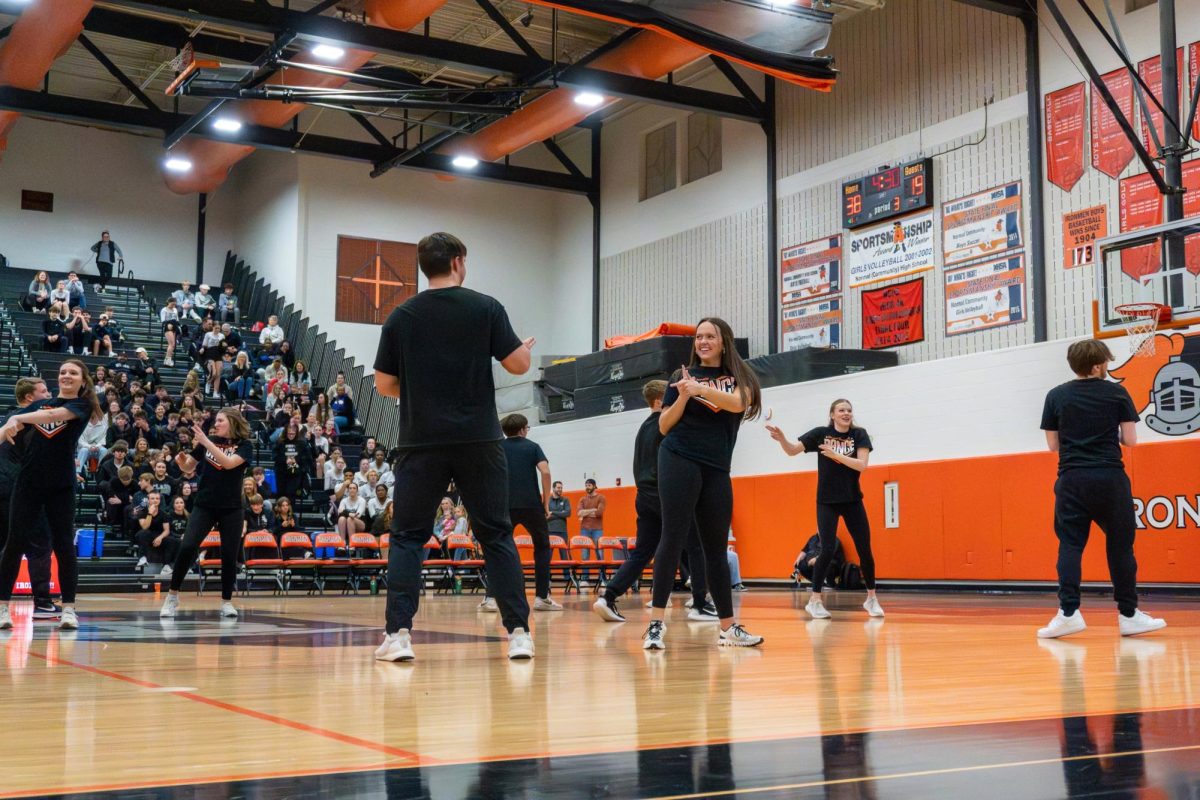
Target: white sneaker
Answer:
pixel 489 604
pixel 396 647
pixel 816 608
pixel 1140 622
pixel 652 639
pixel 520 644
pixel 651 604
pixel 68 622
pixel 546 604
pixel 141 562
pixel 6 622
pixel 706 613
pixel 1062 625
pixel 691 602
pixel 872 606
pixel 170 606
pixel 737 636
pixel 227 609
pixel 166 572
pixel 607 611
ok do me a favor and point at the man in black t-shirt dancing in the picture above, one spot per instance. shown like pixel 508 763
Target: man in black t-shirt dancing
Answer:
pixel 1086 421
pixel 435 356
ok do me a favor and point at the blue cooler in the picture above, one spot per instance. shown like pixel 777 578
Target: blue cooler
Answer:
pixel 90 542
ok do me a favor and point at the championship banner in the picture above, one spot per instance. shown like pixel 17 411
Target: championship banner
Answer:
pixel 985 295
pixel 894 315
pixel 1151 72
pixel 892 250
pixel 1140 207
pixel 984 224
pixel 1111 151
pixel 1065 112
pixel 816 324
pixel 1081 229
pixel 1194 75
pixel 810 270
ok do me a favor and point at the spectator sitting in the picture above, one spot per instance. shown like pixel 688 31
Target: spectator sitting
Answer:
pixel 335 470
pixel 340 382
pixel 259 475
pixel 54 332
pixel 271 336
pixel 807 560
pixel 141 496
pixel 382 523
pixel 188 483
pixel 285 520
pixel 142 430
pixel 233 338
pixel 91 449
pixel 378 501
pixel 351 513
pixel 185 301
pixel 78 296
pixel 276 375
pixel 379 464
pixel 118 497
pixel 301 381
pixel 117 452
pixel 249 490
pixel 120 429
pixel 161 483
pixel 37 298
pixel 343 409
pixel 286 355
pixel 144 368
pixel 79 339
pixel 204 303
pixel 257 517
pixel 139 458
pixel 444 523
pixel 227 306
pixel 161 397
pixel 154 528
pixel 60 295
pixel 242 379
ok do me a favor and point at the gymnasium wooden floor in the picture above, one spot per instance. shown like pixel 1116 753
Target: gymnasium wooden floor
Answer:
pixel 951 696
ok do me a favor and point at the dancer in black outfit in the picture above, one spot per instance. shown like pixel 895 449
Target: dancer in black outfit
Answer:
pixel 221 465
pixel 845 450
pixel 435 355
pixel 649 522
pixel 702 411
pixel 47 435
pixel 529 502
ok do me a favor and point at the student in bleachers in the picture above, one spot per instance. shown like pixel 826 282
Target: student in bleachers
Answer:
pixel 286 355
pixel 54 332
pixel 139 457
pixel 37 298
pixel 79 333
pixel 92 449
pixel 259 476
pixel 242 378
pixel 257 517
pixel 271 336
pixel 322 409
pixel 59 295
pixel 172 327
pixel 78 297
pixel 276 374
pixel 233 338
pixel 285 518
pixel 185 301
pixel 119 429
pixel 153 530
pixel 227 306
pixel 204 303
pixel 343 408
pixel 335 471
pixel 352 511
pixel 339 382
pixel 116 458
pixel 379 500
pixel 144 368
pixel 382 523
pixel 293 463
pixel 102 338
pixel 161 483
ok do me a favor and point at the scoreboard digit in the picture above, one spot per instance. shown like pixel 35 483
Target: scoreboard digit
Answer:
pixel 887 193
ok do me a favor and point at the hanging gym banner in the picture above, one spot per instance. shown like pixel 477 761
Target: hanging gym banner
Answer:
pixel 1193 76
pixel 1081 229
pixel 1151 72
pixel 980 225
pixel 985 295
pixel 889 251
pixel 810 270
pixel 1140 207
pixel 816 324
pixel 1066 110
pixel 1111 151
pixel 894 315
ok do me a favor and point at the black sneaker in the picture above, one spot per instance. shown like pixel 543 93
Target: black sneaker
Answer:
pixel 44 609
pixel 706 613
pixel 607 609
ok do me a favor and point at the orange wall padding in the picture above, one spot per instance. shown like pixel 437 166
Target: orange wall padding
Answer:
pixel 977 519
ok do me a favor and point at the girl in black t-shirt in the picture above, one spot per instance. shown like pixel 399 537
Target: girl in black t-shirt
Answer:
pixel 220 463
pixel 702 410
pixel 845 450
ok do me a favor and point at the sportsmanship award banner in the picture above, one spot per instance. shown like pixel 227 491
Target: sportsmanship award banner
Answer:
pixel 894 315
pixel 888 251
pixel 1081 229
pixel 1151 72
pixel 810 270
pixel 1111 151
pixel 816 324
pixel 1194 75
pixel 985 295
pixel 984 224
pixel 1065 113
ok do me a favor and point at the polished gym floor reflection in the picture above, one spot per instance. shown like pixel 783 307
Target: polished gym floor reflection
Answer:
pixel 949 696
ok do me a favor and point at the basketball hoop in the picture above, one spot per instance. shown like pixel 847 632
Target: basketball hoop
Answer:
pixel 1142 320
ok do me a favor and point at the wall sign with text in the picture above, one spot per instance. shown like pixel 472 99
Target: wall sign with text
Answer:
pixel 985 295
pixel 894 315
pixel 1111 151
pixel 981 225
pixel 817 324
pixel 1081 229
pixel 810 270
pixel 1066 117
pixel 889 251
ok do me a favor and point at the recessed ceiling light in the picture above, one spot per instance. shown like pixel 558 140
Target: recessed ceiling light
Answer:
pixel 176 164
pixel 327 52
pixel 588 99
pixel 465 162
pixel 227 124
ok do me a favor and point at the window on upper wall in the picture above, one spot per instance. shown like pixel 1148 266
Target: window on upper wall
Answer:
pixel 373 277
pixel 703 146
pixel 658 161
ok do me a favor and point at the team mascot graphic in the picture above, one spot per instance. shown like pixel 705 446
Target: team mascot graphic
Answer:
pixel 1169 379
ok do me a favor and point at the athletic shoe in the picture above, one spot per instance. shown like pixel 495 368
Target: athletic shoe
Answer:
pixel 691 602
pixel 396 647
pixel 651 604
pixel 653 637
pixel 1062 625
pixel 737 636
pixel 166 572
pixel 227 610
pixel 170 606
pixel 489 604
pixel 168 362
pixel 141 563
pixel 6 622
pixel 520 644
pixel 607 610
pixel 1140 622
pixel 69 621
pixel 546 604
pixel 707 613
pixel 872 606
pixel 816 608
pixel 740 587
pixel 44 609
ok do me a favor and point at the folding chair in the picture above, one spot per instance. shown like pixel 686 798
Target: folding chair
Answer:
pixel 208 564
pixel 263 560
pixel 366 560
pixel 436 567
pixel 469 567
pixel 336 567
pixel 297 551
pixel 608 549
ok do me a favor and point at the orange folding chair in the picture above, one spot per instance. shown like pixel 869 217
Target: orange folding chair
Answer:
pixel 297 552
pixel 262 560
pixel 337 567
pixel 366 561
pixel 610 547
pixel 464 561
pixel 435 567
pixel 210 558
pixel 583 564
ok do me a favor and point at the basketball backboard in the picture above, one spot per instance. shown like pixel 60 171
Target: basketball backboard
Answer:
pixel 1152 265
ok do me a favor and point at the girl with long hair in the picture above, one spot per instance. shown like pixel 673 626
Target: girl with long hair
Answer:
pixel 220 462
pixel 702 411
pixel 45 437
pixel 844 450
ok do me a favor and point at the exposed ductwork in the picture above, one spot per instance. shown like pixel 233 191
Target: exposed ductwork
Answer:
pixel 40 35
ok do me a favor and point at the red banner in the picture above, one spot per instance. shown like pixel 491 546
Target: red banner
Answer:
pixel 1151 72
pixel 894 315
pixel 1111 150
pixel 1141 207
pixel 1194 75
pixel 1065 111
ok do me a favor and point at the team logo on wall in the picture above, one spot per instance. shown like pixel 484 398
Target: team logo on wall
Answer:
pixel 1169 380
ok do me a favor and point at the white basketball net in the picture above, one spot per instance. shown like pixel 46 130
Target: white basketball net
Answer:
pixel 1142 319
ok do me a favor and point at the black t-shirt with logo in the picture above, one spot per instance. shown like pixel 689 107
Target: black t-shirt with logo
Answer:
pixel 524 480
pixel 705 433
pixel 179 525
pixel 1087 413
pixel 836 483
pixel 47 451
pixel 218 487
pixel 645 456
pixel 441 344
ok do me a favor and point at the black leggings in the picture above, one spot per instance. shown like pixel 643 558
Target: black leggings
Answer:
pixel 649 534
pixel 228 521
pixel 691 492
pixel 105 270
pixel 855 515
pixel 29 503
pixel 533 520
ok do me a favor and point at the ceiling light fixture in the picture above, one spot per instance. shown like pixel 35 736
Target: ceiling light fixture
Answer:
pixel 177 164
pixel 227 125
pixel 327 52
pixel 465 162
pixel 588 99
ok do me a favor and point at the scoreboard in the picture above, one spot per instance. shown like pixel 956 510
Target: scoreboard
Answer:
pixel 887 193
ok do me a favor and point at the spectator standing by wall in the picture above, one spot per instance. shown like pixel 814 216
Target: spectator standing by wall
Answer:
pixel 107 253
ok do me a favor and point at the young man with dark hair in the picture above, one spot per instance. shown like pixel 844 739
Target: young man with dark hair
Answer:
pixel 435 356
pixel 1086 421
pixel 529 502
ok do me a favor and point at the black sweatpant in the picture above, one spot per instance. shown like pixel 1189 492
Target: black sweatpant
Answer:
pixel 1104 496
pixel 534 521
pixel 37 549
pixel 228 522
pixel 166 553
pixel 480 472
pixel 693 494
pixel 30 502
pixel 859 526
pixel 649 534
pixel 105 269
